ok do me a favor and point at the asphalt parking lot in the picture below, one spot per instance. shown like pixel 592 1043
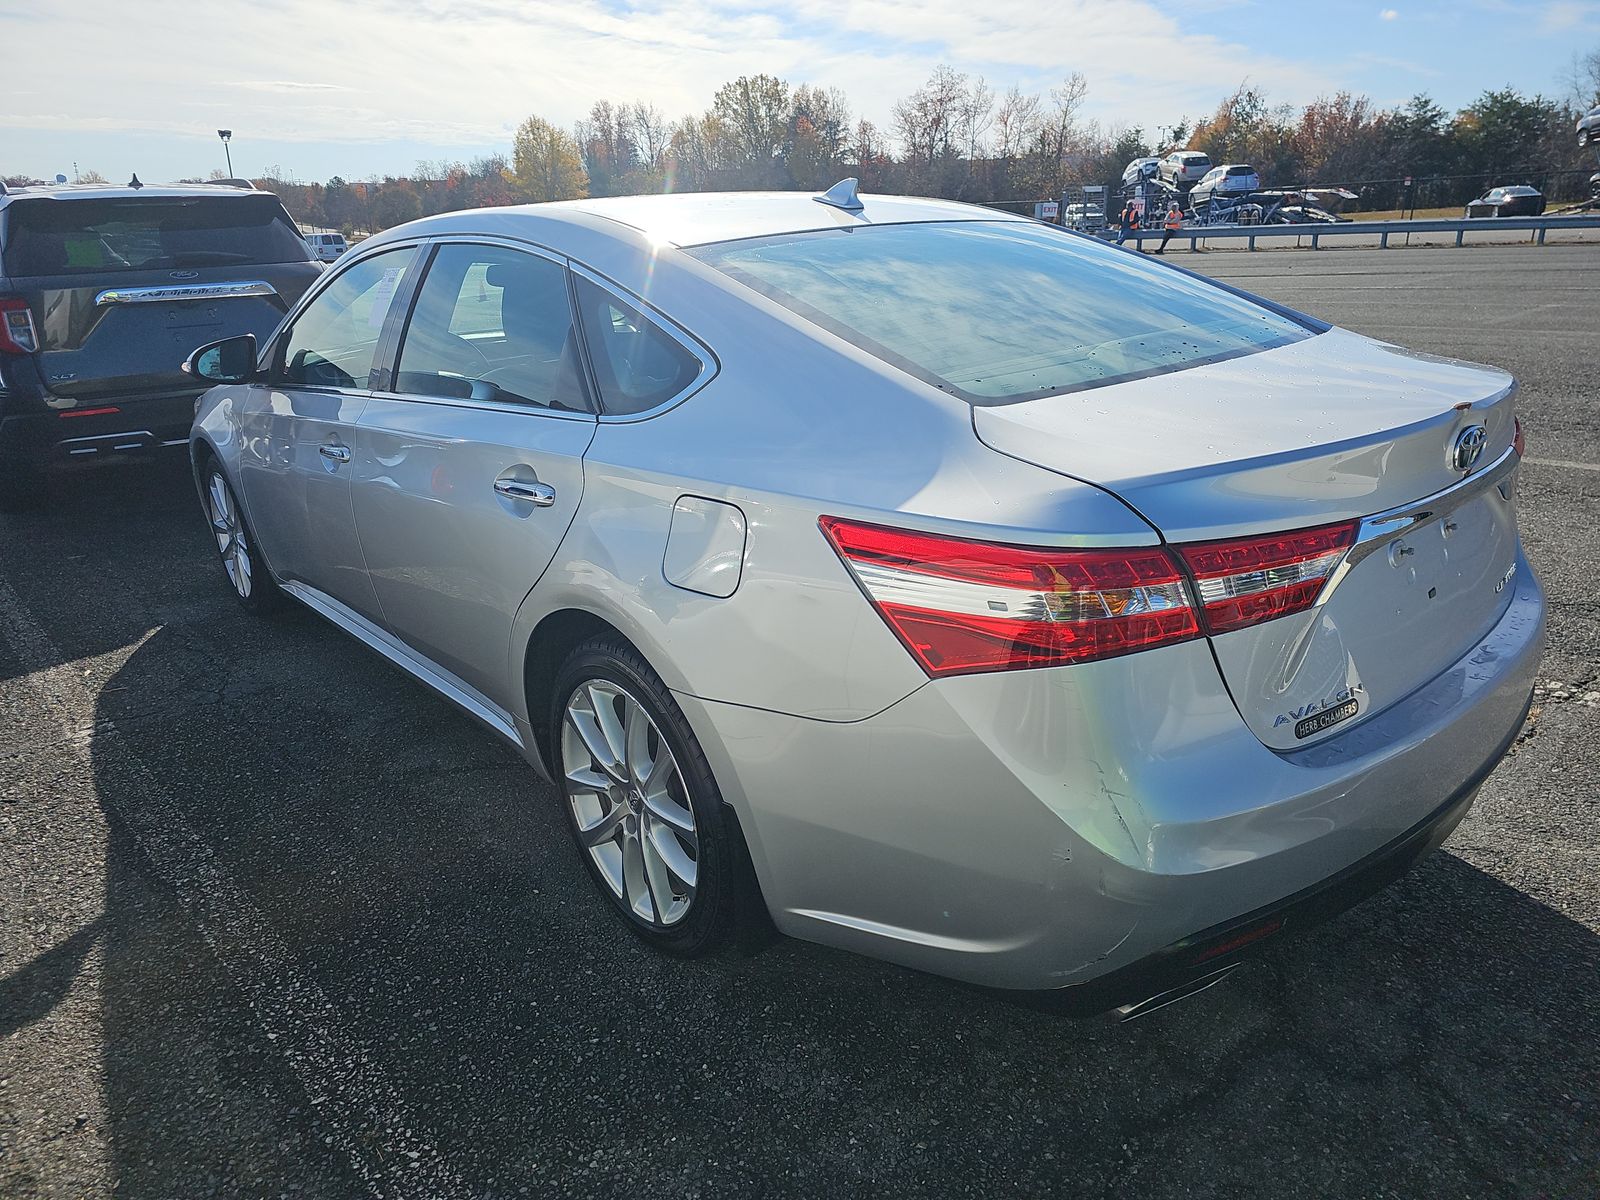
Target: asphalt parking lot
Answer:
pixel 276 921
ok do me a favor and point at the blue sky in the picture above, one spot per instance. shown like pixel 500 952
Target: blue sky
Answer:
pixel 364 87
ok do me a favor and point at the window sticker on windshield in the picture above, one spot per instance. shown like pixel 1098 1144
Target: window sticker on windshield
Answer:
pixel 85 251
pixel 381 295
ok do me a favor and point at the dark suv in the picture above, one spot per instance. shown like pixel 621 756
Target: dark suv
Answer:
pixel 104 291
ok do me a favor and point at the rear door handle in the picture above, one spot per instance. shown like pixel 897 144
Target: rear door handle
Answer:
pixel 540 495
pixel 338 454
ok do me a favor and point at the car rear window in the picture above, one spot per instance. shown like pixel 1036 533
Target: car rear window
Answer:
pixel 101 236
pixel 1196 160
pixel 997 312
pixel 1241 171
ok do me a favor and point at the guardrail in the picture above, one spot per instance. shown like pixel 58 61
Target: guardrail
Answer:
pixel 1536 226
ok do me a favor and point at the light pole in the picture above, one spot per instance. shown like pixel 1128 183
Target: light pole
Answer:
pixel 227 136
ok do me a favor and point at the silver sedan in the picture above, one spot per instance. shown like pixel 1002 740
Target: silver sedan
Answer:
pixel 950 587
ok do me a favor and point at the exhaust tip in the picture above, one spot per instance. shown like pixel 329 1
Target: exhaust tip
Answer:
pixel 1150 1004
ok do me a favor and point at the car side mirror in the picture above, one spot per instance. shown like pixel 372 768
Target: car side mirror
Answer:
pixel 232 360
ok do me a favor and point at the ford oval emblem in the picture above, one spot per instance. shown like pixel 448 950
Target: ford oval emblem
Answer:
pixel 184 274
pixel 1468 447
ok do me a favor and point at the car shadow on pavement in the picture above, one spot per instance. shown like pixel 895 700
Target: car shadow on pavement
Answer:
pixel 81 529
pixel 298 807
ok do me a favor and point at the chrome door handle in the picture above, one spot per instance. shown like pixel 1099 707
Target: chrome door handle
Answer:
pixel 540 495
pixel 338 454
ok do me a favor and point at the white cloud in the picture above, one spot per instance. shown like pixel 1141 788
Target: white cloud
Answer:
pixel 449 71
pixel 1389 14
pixel 1563 16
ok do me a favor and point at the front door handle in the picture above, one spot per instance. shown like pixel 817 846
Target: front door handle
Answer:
pixel 540 495
pixel 338 454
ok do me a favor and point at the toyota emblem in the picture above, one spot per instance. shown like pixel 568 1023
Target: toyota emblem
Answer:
pixel 1468 447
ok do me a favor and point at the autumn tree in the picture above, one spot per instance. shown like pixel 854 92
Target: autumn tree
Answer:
pixel 819 130
pixel 752 115
pixel 546 163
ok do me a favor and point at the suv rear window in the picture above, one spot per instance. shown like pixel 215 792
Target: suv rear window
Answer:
pixel 65 236
pixel 1241 171
pixel 996 312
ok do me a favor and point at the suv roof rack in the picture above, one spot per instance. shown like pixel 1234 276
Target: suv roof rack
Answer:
pixel 242 184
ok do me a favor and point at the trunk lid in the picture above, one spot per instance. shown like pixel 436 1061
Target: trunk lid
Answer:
pixel 1334 428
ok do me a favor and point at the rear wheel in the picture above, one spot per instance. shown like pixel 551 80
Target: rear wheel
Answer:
pixel 247 573
pixel 641 800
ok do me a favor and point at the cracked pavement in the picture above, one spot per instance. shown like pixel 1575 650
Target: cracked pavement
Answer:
pixel 276 921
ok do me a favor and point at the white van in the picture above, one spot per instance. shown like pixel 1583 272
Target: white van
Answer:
pixel 325 247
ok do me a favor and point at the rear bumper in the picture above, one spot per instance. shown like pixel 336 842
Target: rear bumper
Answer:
pixel 134 425
pixel 1094 829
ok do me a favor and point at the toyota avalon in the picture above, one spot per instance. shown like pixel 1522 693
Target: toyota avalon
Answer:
pixel 952 587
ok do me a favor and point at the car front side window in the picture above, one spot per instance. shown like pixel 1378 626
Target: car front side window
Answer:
pixel 493 323
pixel 334 341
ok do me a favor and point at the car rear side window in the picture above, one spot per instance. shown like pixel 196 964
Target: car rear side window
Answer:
pixel 70 236
pixel 637 364
pixel 334 341
pixel 997 312
pixel 491 323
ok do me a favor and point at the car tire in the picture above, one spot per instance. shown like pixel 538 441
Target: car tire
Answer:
pixel 243 564
pixel 22 487
pixel 630 832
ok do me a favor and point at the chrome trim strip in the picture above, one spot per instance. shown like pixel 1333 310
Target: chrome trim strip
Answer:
pixel 397 652
pixel 939 593
pixel 186 291
pixel 1378 530
pixel 107 437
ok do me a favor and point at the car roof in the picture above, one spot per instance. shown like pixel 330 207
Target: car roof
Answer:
pixel 60 192
pixel 697 218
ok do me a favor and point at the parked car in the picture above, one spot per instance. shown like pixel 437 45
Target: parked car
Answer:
pixel 103 293
pixel 1589 127
pixel 1184 168
pixel 1516 201
pixel 1232 179
pixel 325 247
pixel 842 579
pixel 1139 171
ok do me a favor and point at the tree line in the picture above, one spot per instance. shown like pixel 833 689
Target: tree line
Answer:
pixel 956 137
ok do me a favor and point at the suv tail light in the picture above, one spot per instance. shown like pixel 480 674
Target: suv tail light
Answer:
pixel 1519 439
pixel 17 332
pixel 962 606
pixel 1257 579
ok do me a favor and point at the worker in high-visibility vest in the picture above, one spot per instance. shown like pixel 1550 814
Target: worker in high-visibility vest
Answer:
pixel 1173 223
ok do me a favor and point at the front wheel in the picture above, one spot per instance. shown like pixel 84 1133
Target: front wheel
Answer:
pixel 253 585
pixel 641 800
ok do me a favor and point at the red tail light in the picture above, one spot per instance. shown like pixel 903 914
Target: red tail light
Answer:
pixel 17 332
pixel 962 606
pixel 1257 579
pixel 1519 440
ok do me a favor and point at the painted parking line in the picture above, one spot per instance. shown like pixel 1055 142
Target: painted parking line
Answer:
pixel 1563 462
pixel 355 1102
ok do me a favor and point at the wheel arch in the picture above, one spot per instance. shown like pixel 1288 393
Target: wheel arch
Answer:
pixel 556 634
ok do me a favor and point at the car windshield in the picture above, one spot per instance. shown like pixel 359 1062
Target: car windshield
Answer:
pixel 997 312
pixel 100 236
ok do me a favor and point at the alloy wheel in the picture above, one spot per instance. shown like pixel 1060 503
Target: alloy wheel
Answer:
pixel 228 528
pixel 629 801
